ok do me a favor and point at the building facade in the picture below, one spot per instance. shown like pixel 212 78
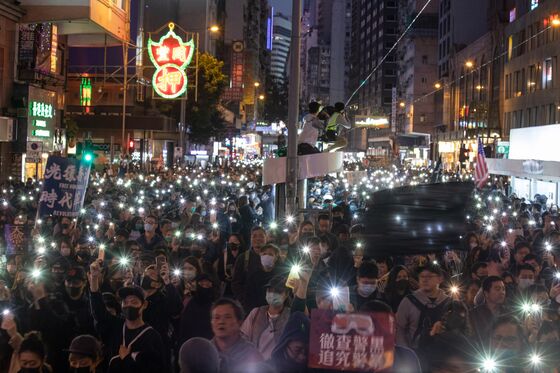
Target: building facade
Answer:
pixel 281 39
pixel 374 32
pixel 531 71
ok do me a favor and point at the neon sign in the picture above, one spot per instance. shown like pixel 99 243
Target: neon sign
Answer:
pixel 85 93
pixel 41 110
pixel 170 56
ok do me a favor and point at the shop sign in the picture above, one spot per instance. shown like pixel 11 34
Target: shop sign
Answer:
pixel 34 151
pixel 170 56
pixel 503 148
pixel 363 121
pixel 41 116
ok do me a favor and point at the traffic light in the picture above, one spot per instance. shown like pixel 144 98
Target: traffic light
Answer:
pixel 87 153
pixel 131 146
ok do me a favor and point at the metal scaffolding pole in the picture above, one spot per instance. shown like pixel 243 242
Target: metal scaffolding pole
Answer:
pixel 293 111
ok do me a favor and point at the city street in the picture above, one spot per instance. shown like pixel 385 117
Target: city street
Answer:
pixel 279 186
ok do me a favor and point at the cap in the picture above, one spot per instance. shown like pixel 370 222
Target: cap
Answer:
pixel 86 345
pixel 75 273
pixel 111 300
pixel 122 232
pixel 434 268
pixel 204 276
pixel 277 283
pixel 134 290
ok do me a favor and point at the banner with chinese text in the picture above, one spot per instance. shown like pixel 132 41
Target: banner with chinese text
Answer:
pixel 15 238
pixel 351 341
pixel 64 187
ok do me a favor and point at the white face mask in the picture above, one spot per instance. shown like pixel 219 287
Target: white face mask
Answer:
pixel 267 261
pixel 524 283
pixel 189 274
pixel 367 289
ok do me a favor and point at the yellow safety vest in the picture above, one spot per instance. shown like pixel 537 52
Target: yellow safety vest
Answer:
pixel 331 124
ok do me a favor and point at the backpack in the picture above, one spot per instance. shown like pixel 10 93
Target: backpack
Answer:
pixel 428 317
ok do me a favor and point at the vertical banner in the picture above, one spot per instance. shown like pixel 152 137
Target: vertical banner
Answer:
pixel 64 187
pixel 351 341
pixel 15 238
pixel 394 109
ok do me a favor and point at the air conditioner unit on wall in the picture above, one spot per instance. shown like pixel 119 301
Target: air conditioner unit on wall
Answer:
pixel 7 130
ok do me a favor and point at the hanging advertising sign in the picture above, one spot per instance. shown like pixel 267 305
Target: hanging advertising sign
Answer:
pixel 42 117
pixel 170 56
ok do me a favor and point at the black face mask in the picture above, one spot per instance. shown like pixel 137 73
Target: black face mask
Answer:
pixel 205 294
pixel 83 255
pixel 116 285
pixel 30 370
pixel 401 285
pixel 149 284
pixel 80 370
pixel 131 313
pixel 73 291
pixel 455 321
pixel 65 226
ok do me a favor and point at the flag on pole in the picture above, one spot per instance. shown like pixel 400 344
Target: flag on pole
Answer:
pixel 481 169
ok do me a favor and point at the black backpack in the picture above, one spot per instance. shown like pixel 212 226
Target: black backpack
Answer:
pixel 428 317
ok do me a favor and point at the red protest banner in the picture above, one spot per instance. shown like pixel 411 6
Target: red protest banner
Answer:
pixel 351 341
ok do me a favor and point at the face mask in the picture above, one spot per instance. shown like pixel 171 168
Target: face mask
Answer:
pixel 274 299
pixel 203 213
pixel 30 370
pixel 367 289
pixel 80 370
pixel 401 285
pixel 524 283
pixel 116 285
pixel 205 293
pixel 65 226
pixel 65 251
pixel 455 322
pixel 149 284
pixel 148 227
pixel 83 255
pixel 131 313
pixel 267 261
pixel 11 268
pixel 472 245
pixel 73 291
pixel 189 274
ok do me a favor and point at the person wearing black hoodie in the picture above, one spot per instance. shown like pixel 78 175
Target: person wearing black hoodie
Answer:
pixel 290 354
pixel 195 318
pixel 131 344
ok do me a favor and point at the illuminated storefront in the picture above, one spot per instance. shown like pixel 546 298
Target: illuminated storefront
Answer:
pixel 43 129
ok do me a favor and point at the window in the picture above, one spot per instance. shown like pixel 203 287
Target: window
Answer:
pixel 422 118
pixel 534 4
pixel 532 82
pixel 424 59
pixel 547 73
pixel 512 14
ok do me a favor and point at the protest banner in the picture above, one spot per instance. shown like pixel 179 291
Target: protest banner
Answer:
pixel 351 341
pixel 15 238
pixel 64 187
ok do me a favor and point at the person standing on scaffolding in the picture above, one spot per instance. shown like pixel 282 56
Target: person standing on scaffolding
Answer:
pixel 336 130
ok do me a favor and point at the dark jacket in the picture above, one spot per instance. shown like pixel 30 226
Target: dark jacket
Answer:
pixel 297 328
pixel 146 354
pixel 195 319
pixel 245 265
pixel 156 241
pixel 255 294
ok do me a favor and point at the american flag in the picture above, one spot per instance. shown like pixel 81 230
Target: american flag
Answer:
pixel 481 169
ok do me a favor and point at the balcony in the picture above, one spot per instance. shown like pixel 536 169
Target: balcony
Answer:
pixel 85 22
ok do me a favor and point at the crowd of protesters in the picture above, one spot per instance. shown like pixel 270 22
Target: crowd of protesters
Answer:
pixel 187 270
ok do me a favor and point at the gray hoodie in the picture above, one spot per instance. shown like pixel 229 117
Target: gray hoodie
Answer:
pixel 408 316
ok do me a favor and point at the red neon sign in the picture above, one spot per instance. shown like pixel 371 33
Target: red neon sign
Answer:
pixel 170 56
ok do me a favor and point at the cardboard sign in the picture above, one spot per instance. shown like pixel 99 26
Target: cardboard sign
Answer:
pixel 351 341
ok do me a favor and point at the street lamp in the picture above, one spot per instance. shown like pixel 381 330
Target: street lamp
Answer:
pixel 214 28
pixel 402 104
pixel 261 97
pixel 437 85
pixel 257 84
pixel 469 64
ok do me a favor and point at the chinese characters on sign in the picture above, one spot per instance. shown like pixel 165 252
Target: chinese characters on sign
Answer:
pixel 351 341
pixel 170 56
pixel 15 238
pixel 64 187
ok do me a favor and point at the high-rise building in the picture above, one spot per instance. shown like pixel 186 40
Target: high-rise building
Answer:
pixel 247 46
pixel 460 23
pixel 326 50
pixel 471 51
pixel 281 38
pixel 418 68
pixel 531 69
pixel 373 68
